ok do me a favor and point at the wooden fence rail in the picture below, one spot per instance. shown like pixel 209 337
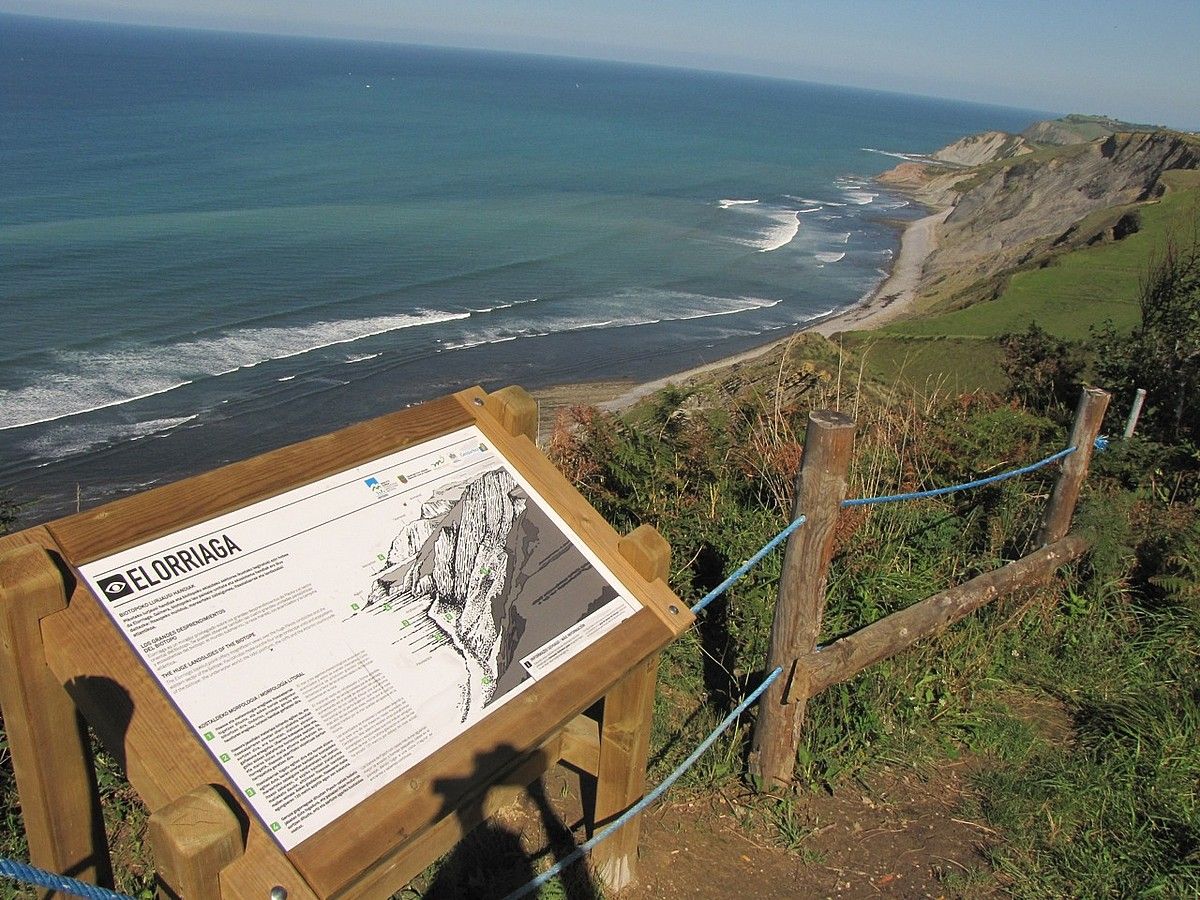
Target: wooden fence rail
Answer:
pixel 821 486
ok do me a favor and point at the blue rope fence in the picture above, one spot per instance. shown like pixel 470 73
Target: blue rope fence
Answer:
pixel 742 570
pixel 967 485
pixel 650 798
pixel 31 875
pixel 749 564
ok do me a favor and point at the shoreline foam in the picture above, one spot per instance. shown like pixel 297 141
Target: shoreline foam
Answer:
pixel 892 299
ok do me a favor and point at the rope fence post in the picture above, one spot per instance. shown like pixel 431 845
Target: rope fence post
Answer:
pixel 1089 416
pixel 1135 412
pixel 820 489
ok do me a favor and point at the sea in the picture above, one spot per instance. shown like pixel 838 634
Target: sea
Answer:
pixel 215 244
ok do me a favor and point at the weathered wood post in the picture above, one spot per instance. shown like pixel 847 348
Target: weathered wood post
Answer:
pixel 1089 415
pixel 820 489
pixel 50 753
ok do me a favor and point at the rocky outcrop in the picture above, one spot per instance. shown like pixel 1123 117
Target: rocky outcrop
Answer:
pixel 496 576
pixel 1006 217
pixel 464 567
pixel 1013 211
pixel 977 149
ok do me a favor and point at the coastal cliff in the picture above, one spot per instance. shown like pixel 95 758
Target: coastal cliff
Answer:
pixel 1018 202
pixel 977 149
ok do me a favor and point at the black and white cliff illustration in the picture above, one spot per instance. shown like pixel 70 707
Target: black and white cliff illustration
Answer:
pixel 496 574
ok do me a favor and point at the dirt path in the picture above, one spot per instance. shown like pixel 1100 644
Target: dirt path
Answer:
pixel 897 834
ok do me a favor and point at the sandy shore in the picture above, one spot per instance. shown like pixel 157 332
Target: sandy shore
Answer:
pixel 895 296
pixel 892 299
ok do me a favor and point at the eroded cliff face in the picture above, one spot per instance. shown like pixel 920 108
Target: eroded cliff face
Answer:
pixel 977 149
pixel 1020 210
pixel 1008 211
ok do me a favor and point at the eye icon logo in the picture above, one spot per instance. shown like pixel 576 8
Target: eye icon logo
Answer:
pixel 115 587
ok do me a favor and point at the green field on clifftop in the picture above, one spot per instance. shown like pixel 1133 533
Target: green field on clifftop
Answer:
pixel 1073 293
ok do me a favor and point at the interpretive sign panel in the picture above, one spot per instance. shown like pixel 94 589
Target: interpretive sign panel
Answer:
pixel 325 640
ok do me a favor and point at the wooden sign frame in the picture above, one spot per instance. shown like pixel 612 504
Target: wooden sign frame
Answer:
pixel 61 652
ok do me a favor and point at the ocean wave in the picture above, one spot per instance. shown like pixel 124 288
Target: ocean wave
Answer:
pixel 360 357
pixel 831 257
pixel 726 204
pixel 801 212
pixel 782 228
pixel 910 157
pixel 61 442
pixel 623 312
pixel 812 202
pixel 859 197
pixel 816 317
pixel 89 381
pixel 509 305
pixel 786 228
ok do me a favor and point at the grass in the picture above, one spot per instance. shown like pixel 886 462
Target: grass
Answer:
pixel 930 364
pixel 1079 289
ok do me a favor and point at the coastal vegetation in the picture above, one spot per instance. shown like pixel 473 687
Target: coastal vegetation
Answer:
pixel 1074 706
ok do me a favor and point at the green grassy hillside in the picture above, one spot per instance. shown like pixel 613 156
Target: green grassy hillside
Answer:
pixel 1072 293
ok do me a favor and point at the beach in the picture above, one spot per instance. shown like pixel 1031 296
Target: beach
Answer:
pixel 892 299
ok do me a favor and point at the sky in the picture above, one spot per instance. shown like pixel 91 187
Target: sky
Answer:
pixel 1136 60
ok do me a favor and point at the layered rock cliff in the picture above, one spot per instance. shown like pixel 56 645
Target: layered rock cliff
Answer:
pixel 1017 204
pixel 977 149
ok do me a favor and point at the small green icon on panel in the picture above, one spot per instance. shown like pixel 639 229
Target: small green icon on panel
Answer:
pixel 208 736
pixel 275 826
pixel 225 757
pixel 381 557
pixel 354 606
pixel 250 792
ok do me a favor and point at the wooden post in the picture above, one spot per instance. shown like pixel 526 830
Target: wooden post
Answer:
pixel 1135 413
pixel 846 657
pixel 516 410
pixel 193 839
pixel 625 731
pixel 1089 415
pixel 50 752
pixel 820 489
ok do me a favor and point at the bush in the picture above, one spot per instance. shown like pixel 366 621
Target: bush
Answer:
pixel 1042 370
pixel 1163 353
